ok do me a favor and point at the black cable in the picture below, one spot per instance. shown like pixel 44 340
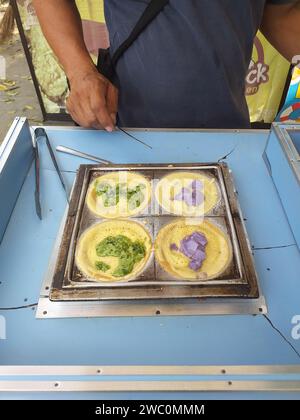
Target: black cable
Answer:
pixel 280 333
pixel 18 307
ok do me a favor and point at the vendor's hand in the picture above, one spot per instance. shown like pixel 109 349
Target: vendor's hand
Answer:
pixel 93 100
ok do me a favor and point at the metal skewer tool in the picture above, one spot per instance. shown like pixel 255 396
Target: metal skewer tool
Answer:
pixel 74 152
pixel 133 137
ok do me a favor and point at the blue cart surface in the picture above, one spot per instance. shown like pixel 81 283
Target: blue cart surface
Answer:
pixel 229 356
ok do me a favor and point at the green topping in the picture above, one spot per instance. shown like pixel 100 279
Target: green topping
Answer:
pixel 102 266
pixel 111 194
pixel 128 252
pixel 135 198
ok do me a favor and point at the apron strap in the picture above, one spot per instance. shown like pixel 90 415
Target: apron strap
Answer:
pixel 106 64
pixel 152 10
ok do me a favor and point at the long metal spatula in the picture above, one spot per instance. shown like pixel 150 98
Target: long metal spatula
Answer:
pixel 83 155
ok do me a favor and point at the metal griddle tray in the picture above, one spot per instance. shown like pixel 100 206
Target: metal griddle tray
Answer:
pixel 239 280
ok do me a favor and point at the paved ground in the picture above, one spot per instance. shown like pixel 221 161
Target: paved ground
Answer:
pixel 17 93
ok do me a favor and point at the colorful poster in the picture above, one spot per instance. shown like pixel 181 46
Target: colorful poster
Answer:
pixel 94 28
pixel 291 110
pixel 265 81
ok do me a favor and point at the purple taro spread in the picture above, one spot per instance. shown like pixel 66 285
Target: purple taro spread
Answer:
pixel 192 196
pixel 193 246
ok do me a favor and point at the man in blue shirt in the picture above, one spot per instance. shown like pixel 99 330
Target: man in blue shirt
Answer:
pixel 186 69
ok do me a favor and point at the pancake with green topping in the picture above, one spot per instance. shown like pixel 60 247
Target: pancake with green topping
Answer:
pixel 113 251
pixel 193 250
pixel 119 194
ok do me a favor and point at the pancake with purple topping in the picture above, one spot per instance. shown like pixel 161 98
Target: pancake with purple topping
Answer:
pixel 189 194
pixel 193 250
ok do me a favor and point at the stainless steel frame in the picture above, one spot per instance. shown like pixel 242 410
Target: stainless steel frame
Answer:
pixel 48 309
pixel 151 370
pixel 150 386
pixel 222 378
pixel 289 149
pixel 155 305
pixel 174 130
pixel 82 213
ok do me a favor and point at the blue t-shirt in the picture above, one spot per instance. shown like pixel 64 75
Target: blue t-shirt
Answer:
pixel 188 67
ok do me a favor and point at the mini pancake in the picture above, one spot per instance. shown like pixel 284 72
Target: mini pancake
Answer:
pixel 176 195
pixel 87 259
pixel 118 194
pixel 167 250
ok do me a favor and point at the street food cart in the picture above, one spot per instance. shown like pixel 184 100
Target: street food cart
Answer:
pixel 238 337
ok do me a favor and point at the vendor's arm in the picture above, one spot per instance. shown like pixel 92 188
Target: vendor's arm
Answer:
pixel 93 99
pixel 281 26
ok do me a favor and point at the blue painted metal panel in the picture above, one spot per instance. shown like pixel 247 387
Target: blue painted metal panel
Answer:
pixel 28 242
pixel 168 146
pixel 16 155
pixel 206 340
pixel 285 180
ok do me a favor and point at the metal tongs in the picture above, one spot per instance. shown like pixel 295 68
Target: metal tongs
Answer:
pixel 40 133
